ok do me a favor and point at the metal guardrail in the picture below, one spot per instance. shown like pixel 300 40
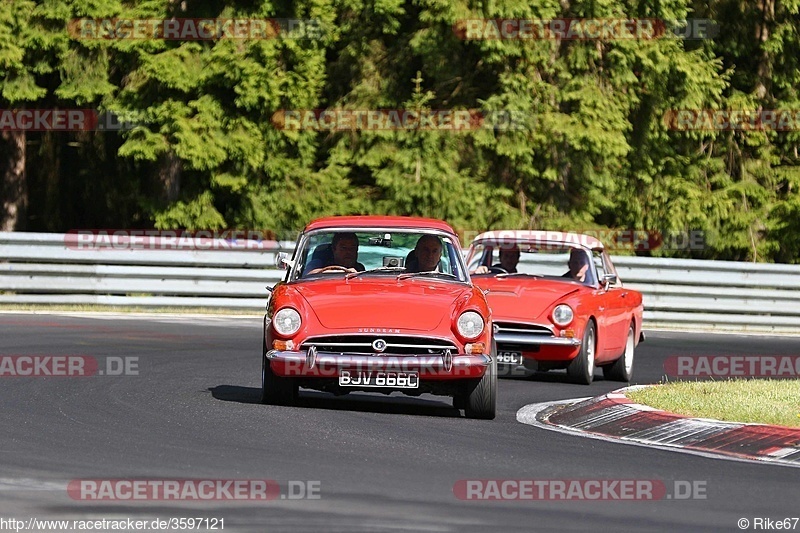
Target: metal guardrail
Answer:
pixel 722 295
pixel 44 268
pixel 41 268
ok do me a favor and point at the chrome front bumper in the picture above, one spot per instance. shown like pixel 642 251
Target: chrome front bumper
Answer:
pixel 534 339
pixel 313 363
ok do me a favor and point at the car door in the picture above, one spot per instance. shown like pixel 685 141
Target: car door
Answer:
pixel 602 304
pixel 617 306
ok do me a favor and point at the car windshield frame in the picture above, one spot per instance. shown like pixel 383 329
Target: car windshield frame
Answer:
pixel 451 251
pixel 533 243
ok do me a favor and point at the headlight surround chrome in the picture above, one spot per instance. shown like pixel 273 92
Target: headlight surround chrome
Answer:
pixel 562 315
pixel 287 321
pixel 470 325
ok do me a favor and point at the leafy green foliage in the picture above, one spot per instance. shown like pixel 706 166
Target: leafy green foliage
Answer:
pixel 587 145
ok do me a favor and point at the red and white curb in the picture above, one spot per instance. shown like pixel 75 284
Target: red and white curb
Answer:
pixel 615 418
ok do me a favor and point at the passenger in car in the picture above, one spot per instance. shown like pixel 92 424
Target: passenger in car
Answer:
pixel 578 265
pixel 426 254
pixel 343 252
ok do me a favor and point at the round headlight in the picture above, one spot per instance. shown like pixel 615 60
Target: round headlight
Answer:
pixel 562 315
pixel 286 321
pixel 470 324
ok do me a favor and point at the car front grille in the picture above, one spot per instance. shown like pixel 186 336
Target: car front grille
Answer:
pixel 395 344
pixel 516 327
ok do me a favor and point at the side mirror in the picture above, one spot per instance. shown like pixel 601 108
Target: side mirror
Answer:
pixel 282 261
pixel 608 280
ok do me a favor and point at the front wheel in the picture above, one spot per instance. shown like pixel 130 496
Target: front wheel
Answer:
pixel 276 390
pixel 622 368
pixel 581 369
pixel 481 402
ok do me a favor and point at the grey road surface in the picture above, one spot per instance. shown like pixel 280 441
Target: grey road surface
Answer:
pixel 374 463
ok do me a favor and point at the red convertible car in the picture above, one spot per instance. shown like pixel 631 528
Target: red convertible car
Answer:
pixel 557 302
pixel 379 304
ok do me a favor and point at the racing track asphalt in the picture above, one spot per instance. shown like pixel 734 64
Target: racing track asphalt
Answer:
pixel 384 464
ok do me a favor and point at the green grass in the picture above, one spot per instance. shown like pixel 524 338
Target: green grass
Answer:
pixel 764 401
pixel 128 309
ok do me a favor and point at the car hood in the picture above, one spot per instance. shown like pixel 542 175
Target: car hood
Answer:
pixel 523 298
pixel 413 304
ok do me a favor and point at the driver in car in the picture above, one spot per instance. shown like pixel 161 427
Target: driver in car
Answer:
pixel 343 256
pixel 509 259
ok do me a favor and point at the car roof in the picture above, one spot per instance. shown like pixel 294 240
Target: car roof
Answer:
pixel 578 239
pixel 378 222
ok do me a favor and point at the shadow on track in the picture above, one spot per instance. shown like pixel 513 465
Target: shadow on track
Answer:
pixel 360 402
pixel 555 376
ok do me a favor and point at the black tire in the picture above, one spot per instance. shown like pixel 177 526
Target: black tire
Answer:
pixel 581 369
pixel 275 390
pixel 622 368
pixel 459 401
pixel 481 402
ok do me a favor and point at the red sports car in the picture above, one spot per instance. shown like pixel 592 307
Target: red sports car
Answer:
pixel 380 304
pixel 557 302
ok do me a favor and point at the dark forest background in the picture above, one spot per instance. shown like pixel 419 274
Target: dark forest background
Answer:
pixel 202 152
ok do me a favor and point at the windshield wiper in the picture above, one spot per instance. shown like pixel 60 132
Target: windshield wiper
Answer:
pixel 507 274
pixel 425 273
pixel 352 275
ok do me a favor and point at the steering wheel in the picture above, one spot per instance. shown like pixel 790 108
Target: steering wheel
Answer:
pixel 334 268
pixel 497 270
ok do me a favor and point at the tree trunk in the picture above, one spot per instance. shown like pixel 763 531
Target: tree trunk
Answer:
pixel 15 190
pixel 170 175
pixel 764 24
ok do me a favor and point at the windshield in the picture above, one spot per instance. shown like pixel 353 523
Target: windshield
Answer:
pixel 378 252
pixel 552 260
